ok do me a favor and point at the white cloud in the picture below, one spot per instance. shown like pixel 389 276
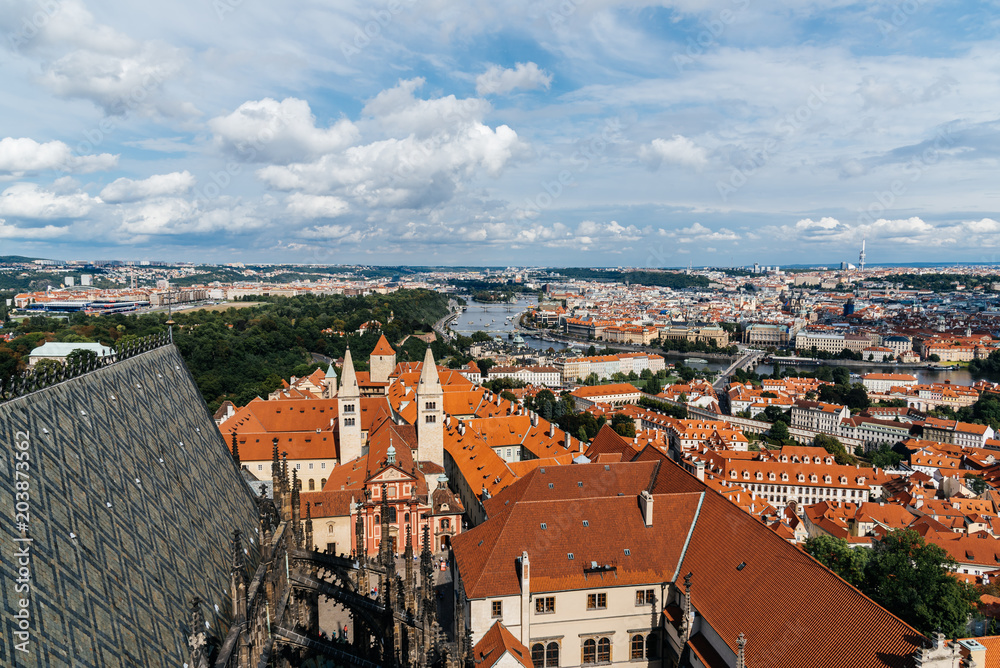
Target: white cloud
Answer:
pixel 30 201
pixel 84 59
pixel 679 151
pixel 27 233
pixel 316 206
pixel 21 155
pixel 279 132
pixel 158 185
pixel 700 233
pixel 326 232
pixel 434 148
pixel 500 81
pixel 176 216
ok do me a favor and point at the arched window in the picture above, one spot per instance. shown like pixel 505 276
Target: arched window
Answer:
pixel 392 514
pixel 378 520
pixel 589 651
pixel 652 651
pixel 604 651
pixel 538 655
pixel 322 483
pixel 638 647
pixel 552 655
pixel 406 518
pixel 312 485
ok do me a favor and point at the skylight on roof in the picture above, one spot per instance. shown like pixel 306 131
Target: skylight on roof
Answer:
pixel 627 552
pixel 544 525
pixel 569 555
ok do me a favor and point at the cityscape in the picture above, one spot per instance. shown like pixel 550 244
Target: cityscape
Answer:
pixel 534 334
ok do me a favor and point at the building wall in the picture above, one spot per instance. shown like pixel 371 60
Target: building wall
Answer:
pixel 318 473
pixel 572 623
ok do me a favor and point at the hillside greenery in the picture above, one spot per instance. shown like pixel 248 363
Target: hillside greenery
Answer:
pixel 664 279
pixel 239 354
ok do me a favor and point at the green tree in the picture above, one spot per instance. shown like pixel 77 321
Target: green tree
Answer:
pixel 885 457
pixel 779 431
pixel 914 580
pixel 81 356
pixel 837 555
pixel 623 424
pixel 975 483
pixel 835 448
pixel 934 358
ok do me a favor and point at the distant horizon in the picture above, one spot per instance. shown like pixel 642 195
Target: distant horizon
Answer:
pixel 829 266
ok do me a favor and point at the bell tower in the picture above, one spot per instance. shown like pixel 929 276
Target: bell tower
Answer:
pixel 349 412
pixel 430 413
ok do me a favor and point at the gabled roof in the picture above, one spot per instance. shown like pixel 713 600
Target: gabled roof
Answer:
pixel 495 643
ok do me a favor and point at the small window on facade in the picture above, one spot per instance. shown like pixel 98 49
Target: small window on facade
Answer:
pixel 545 605
pixel 538 655
pixel 597 601
pixel 496 608
pixel 552 655
pixel 604 651
pixel 638 645
pixel 429 419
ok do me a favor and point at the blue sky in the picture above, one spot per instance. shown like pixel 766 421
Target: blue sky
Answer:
pixel 538 132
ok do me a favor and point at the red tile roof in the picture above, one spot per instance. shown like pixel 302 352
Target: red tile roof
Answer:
pixel 383 347
pixel 495 643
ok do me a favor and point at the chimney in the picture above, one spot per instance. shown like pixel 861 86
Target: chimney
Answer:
pixel 552 430
pixel 569 440
pixel 646 505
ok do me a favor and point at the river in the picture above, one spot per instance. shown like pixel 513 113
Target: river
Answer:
pixel 499 320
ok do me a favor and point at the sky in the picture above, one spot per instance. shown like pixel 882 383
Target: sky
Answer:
pixel 634 133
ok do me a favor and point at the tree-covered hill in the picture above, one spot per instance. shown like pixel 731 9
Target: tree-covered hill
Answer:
pixel 241 353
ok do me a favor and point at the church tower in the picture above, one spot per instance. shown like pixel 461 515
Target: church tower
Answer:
pixel 330 383
pixel 382 361
pixel 349 411
pixel 430 413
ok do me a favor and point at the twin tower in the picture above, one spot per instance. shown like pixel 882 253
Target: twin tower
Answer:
pixel 429 400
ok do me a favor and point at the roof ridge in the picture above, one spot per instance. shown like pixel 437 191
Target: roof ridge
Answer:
pixel 687 541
